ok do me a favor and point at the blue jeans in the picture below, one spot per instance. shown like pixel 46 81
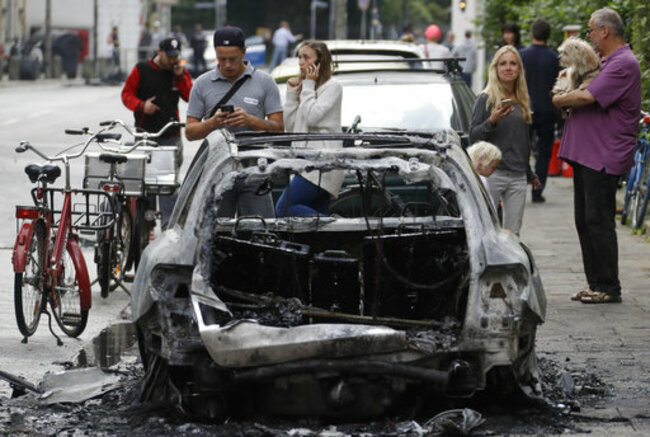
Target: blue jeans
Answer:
pixel 279 54
pixel 303 199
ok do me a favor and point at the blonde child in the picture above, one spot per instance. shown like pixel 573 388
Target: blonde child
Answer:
pixel 485 158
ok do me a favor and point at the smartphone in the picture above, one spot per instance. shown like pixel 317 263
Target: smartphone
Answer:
pixel 227 108
pixel 505 102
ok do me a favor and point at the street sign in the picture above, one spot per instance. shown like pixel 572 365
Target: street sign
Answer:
pixel 363 4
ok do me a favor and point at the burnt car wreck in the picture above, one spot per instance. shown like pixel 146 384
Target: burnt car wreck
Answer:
pixel 408 291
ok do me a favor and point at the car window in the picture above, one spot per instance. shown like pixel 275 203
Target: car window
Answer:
pixel 422 106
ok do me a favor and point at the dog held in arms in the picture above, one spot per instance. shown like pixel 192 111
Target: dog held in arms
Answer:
pixel 581 65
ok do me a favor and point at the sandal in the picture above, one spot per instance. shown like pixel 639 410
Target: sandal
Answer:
pixel 582 293
pixel 601 297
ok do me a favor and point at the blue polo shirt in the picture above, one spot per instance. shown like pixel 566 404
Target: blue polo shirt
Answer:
pixel 258 96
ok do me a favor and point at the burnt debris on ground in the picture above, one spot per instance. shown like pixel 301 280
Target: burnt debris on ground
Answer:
pixel 119 411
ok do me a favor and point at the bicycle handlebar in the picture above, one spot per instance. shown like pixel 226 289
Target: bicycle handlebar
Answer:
pixel 100 136
pixel 142 135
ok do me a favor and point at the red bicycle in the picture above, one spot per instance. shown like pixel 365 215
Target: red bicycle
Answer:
pixel 48 263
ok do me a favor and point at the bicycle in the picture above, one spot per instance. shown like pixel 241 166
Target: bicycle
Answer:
pixel 49 267
pixel 637 194
pixel 130 189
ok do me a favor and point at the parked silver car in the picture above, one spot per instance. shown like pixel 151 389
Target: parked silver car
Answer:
pixel 409 292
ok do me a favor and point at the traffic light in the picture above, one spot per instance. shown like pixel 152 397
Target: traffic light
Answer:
pixel 462 5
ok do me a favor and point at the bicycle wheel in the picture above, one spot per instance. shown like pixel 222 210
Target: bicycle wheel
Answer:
pixel 628 195
pixel 130 248
pixel 121 248
pixel 103 254
pixel 641 200
pixel 65 300
pixel 141 237
pixel 104 264
pixel 28 286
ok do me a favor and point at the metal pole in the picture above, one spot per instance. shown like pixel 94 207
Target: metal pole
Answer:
pixel 330 33
pixel 312 26
pixel 95 54
pixel 216 14
pixel 220 8
pixel 49 68
pixel 363 24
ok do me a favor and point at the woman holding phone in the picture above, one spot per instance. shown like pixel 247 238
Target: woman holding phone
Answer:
pixel 502 117
pixel 312 104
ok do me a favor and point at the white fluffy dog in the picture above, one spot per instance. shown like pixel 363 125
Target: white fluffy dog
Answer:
pixel 581 65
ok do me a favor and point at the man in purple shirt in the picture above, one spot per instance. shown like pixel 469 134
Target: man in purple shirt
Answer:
pixel 598 140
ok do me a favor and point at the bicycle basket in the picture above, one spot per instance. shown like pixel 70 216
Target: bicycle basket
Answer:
pixel 131 173
pixel 161 174
pixel 90 209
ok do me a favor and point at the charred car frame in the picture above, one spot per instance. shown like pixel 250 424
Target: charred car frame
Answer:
pixel 409 290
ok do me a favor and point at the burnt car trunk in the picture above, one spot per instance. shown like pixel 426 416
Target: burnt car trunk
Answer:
pixel 405 275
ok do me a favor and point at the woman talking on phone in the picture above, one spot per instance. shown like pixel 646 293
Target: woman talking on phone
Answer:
pixel 313 104
pixel 502 117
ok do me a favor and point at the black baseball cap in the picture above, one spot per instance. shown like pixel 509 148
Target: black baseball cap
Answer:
pixel 171 46
pixel 230 36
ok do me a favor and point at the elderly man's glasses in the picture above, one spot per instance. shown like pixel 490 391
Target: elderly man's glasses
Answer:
pixel 589 30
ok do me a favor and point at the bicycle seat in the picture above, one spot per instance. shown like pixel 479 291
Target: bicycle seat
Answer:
pixel 111 158
pixel 48 172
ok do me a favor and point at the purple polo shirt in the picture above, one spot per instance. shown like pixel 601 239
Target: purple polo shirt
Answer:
pixel 602 135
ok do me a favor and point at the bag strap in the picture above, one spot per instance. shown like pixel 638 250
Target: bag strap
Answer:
pixel 233 89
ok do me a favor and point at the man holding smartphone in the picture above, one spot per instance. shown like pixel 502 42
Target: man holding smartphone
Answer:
pixel 237 97
pixel 152 91
pixel 255 104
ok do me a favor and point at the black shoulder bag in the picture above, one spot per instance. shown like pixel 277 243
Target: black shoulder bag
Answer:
pixel 233 89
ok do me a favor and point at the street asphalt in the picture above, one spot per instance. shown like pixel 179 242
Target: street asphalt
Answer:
pixel 609 340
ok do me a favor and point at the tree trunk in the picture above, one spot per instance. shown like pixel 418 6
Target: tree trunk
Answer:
pixel 340 19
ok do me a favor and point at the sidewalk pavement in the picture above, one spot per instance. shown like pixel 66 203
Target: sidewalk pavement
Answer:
pixel 608 340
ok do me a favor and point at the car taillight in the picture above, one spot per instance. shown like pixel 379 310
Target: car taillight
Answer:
pixel 25 212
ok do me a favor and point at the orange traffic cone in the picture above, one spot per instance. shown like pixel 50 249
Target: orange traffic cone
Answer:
pixel 555 165
pixel 567 170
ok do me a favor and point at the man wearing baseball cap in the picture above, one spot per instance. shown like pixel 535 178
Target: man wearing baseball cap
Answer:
pixel 152 91
pixel 237 97
pixel 255 104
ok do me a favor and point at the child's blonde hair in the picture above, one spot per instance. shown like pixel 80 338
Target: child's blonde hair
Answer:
pixel 483 153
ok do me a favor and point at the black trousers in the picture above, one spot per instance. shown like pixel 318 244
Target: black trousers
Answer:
pixel 544 127
pixel 595 210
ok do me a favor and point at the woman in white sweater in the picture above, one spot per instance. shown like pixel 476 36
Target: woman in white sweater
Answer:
pixel 313 104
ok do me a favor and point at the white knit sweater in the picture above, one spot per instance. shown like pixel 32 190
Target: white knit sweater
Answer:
pixel 316 111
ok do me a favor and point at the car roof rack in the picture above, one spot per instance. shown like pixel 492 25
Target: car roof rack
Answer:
pixel 252 140
pixel 452 65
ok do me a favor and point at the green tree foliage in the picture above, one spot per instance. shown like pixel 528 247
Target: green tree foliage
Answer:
pixel 635 14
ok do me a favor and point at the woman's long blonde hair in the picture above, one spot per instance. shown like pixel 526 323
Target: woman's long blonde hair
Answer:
pixel 495 90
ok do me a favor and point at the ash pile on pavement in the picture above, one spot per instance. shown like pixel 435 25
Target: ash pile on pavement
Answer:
pixel 119 412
